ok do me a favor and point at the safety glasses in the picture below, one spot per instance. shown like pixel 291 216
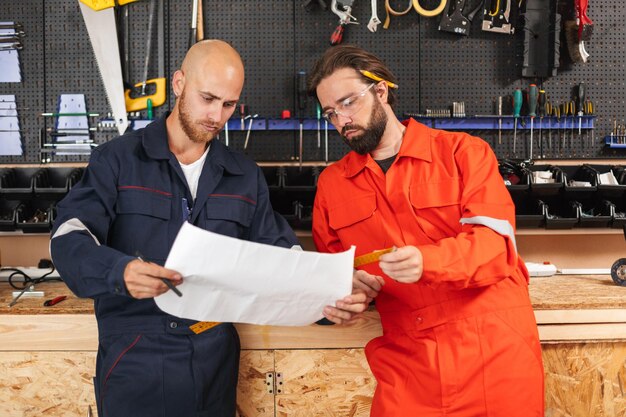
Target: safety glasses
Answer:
pixel 348 107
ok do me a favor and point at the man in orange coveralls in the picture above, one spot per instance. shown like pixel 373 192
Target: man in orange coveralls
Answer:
pixel 460 338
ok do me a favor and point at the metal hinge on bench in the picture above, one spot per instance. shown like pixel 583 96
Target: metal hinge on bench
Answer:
pixel 274 382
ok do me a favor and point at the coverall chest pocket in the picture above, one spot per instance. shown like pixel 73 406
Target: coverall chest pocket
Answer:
pixel 356 218
pixel 142 224
pixel 437 207
pixel 230 217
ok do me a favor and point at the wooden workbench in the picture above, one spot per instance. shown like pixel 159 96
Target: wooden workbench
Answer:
pixel 48 355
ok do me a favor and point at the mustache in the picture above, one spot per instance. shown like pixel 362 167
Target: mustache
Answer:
pixel 349 127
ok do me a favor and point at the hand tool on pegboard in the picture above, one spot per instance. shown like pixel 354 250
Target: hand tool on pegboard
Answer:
pixel 157 98
pixel 541 112
pixel 499 110
pixel 200 23
pixel 341 8
pixel 497 16
pixel 589 109
pixel 580 104
pixel 302 99
pixel 578 29
pixel 99 17
pixel 372 25
pixel 413 4
pixel 193 33
pixel 454 20
pixel 532 112
pixel 540 25
pixel 517 107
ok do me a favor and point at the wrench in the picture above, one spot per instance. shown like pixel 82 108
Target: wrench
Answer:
pixel 374 20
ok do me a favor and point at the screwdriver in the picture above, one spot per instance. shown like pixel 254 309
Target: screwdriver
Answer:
pixel 572 113
pixel 548 113
pixel 532 112
pixel 579 106
pixel 556 112
pixel 517 107
pixel 243 112
pixel 589 112
pixel 564 111
pixel 500 120
pixel 318 112
pixel 541 103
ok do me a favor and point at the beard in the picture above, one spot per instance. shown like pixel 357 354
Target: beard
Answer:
pixel 372 134
pixel 191 127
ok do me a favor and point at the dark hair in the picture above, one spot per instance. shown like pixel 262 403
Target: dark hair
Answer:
pixel 349 56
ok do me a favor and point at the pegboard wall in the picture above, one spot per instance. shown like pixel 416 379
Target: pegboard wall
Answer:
pixel 278 38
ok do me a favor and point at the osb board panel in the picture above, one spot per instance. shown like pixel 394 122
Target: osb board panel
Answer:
pixel 47 384
pixel 564 292
pixel 585 379
pixel 324 383
pixel 253 400
pixel 58 332
pixel 352 335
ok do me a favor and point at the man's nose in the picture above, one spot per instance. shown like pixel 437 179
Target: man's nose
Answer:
pixel 214 111
pixel 342 120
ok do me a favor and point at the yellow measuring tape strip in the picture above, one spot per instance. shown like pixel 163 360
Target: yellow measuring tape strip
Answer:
pixel 368 258
pixel 202 326
pixel 412 4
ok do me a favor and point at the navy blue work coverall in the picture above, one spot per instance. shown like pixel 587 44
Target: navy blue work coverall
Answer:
pixel 133 199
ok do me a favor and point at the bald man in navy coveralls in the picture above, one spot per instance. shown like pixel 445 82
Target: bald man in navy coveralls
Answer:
pixel 136 192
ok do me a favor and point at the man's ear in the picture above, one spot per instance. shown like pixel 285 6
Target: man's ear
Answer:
pixel 178 83
pixel 382 92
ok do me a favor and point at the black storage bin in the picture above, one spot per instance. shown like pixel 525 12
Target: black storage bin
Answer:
pixel 274 176
pixel 561 214
pixel 619 213
pixel 540 190
pixel 610 191
pixel 516 178
pixel 530 213
pixel 54 183
pixel 582 173
pixel 301 178
pixel 17 183
pixel 35 216
pixel 7 215
pixel 595 213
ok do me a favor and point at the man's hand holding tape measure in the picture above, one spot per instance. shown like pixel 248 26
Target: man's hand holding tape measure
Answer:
pixel 403 265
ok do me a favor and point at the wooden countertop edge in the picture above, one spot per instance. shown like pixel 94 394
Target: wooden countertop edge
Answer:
pixel 78 332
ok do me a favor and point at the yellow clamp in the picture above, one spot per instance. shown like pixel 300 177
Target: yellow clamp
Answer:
pixel 141 102
pixel 412 4
pixel 368 258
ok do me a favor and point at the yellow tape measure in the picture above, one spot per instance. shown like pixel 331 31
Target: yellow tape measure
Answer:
pixel 203 326
pixel 370 257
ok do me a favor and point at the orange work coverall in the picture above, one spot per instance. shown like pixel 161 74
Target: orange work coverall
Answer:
pixel 463 340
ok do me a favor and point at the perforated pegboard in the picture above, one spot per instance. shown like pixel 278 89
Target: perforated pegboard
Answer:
pixel 278 38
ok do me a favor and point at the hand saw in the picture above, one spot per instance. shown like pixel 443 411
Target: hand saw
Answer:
pixel 158 97
pixel 99 19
